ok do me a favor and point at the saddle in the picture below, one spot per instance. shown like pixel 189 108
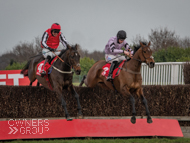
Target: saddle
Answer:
pixel 116 71
pixel 46 68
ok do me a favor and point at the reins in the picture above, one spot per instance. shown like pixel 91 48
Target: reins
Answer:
pixel 115 58
pixel 67 72
pixel 61 59
pixel 58 57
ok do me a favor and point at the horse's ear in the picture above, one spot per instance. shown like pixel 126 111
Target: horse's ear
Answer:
pixel 141 44
pixel 68 46
pixel 76 46
pixel 149 44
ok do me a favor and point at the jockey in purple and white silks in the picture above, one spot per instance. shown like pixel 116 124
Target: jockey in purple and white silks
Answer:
pixel 113 51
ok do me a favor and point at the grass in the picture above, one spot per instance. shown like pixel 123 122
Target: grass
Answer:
pixel 130 140
pixel 76 83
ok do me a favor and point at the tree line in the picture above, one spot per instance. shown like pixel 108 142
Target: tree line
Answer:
pixel 167 46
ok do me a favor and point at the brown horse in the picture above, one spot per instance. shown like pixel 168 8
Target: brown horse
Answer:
pixel 129 82
pixel 61 75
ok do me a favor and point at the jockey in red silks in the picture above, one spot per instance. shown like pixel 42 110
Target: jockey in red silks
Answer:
pixel 50 42
pixel 113 49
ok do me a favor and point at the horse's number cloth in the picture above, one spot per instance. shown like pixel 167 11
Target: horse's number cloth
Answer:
pixel 46 68
pixel 116 71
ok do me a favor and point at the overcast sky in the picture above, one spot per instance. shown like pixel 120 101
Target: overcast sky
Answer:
pixel 90 23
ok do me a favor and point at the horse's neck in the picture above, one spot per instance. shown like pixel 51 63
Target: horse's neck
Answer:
pixel 133 64
pixel 64 66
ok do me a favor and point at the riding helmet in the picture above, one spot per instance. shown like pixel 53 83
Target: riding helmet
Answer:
pixel 55 26
pixel 121 35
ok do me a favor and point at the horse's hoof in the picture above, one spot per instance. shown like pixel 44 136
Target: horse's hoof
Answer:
pixel 149 120
pixel 69 119
pixel 133 120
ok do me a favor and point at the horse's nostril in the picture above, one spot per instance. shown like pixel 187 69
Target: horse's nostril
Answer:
pixel 78 71
pixel 152 64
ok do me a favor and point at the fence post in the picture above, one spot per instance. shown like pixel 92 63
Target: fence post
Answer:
pixel 174 74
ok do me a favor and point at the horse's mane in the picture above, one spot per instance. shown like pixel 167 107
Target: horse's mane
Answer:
pixel 64 50
pixel 138 46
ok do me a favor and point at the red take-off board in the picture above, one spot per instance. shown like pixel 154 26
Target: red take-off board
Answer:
pixel 61 128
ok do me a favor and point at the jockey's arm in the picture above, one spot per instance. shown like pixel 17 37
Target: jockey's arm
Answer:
pixel 63 40
pixel 44 40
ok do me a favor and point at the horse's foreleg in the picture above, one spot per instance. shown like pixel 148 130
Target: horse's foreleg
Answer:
pixel 125 91
pixel 149 119
pixel 63 103
pixel 75 94
pixel 133 118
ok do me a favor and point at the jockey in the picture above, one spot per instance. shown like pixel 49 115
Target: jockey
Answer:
pixel 113 49
pixel 50 42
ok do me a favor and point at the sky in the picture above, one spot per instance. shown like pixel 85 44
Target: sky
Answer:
pixel 90 23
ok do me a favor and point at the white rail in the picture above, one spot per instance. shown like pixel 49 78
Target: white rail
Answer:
pixel 165 73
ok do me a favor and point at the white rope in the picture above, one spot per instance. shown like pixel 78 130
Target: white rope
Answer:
pixel 62 71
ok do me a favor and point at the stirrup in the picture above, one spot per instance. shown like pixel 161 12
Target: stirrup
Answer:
pixel 109 78
pixel 43 73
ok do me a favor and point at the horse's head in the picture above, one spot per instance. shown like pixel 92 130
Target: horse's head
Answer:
pixel 74 58
pixel 145 54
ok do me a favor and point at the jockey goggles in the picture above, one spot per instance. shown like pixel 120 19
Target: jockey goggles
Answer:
pixel 56 30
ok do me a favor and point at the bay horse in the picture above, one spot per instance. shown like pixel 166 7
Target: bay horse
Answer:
pixel 129 81
pixel 61 75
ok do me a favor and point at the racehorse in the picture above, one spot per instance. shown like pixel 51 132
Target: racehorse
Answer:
pixel 129 81
pixel 61 75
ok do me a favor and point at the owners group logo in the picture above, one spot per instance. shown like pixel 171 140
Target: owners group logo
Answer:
pixel 32 126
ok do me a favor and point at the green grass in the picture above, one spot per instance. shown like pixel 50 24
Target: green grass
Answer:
pixel 130 140
pixel 76 83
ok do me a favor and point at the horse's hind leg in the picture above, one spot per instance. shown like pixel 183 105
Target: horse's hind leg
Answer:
pixel 38 84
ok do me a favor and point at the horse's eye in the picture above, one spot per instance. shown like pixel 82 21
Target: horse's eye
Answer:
pixel 144 51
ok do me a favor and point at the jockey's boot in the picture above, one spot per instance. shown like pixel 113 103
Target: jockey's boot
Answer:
pixel 109 78
pixel 43 73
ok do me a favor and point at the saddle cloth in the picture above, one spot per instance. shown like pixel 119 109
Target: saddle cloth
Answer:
pixel 116 71
pixel 46 68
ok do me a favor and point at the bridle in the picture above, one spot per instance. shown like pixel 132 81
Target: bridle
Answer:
pixel 133 72
pixel 151 57
pixel 67 63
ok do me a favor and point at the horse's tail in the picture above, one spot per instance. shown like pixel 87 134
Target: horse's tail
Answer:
pixel 24 71
pixel 82 81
